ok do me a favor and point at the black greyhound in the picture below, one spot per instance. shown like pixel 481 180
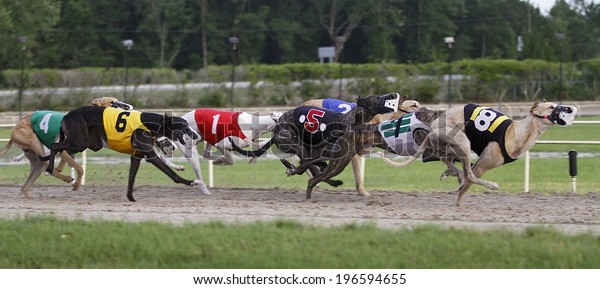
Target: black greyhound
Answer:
pixel 363 137
pixel 127 132
pixel 306 131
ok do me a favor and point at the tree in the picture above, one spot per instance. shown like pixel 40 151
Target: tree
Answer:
pixel 32 19
pixel 169 21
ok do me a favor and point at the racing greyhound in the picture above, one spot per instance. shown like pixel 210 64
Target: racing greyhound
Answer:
pixel 406 106
pixel 35 132
pixel 306 130
pixel 129 132
pixel 400 136
pixel 495 138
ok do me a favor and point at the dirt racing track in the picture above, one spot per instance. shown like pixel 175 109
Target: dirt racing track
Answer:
pixel 571 213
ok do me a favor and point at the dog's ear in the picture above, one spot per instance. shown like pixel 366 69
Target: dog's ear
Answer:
pixel 534 106
pixel 402 98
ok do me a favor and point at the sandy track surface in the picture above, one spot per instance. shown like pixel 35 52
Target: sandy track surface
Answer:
pixel 571 213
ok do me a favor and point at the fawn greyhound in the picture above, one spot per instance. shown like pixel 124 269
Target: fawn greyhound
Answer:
pixel 491 135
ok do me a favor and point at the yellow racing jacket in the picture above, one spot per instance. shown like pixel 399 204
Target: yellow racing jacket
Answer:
pixel 119 126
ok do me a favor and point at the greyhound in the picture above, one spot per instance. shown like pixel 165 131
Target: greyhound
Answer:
pixel 407 106
pixel 35 132
pixel 219 128
pixel 128 132
pixel 495 138
pixel 306 130
pixel 400 136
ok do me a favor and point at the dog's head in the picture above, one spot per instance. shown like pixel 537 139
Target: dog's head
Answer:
pixel 557 114
pixel 108 101
pixel 409 105
pixel 381 103
pixel 426 115
pixel 275 115
pixel 177 128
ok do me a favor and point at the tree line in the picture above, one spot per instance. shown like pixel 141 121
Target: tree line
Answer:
pixel 194 34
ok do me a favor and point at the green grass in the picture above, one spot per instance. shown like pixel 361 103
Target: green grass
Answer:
pixel 48 242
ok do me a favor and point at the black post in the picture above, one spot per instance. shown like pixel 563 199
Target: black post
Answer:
pixel 22 40
pixel 449 82
pixel 340 42
pixel 573 169
pixel 560 37
pixel 128 43
pixel 449 40
pixel 234 41
pixel 560 69
pixel 126 64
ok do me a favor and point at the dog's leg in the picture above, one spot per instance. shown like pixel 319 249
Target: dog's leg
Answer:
pixel 169 163
pixel 357 164
pixel 194 161
pixel 35 171
pixel 65 157
pixel 133 169
pixel 490 158
pixel 334 168
pixel 462 149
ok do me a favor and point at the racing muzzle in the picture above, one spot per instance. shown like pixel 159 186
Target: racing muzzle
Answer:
pixel 388 103
pixel 563 115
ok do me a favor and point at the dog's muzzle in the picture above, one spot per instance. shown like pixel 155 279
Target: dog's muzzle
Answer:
pixel 563 115
pixel 187 138
pixel 389 103
pixel 166 146
pixel 122 105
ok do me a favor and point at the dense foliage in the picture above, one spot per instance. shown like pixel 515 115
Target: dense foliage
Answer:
pixel 193 33
pixel 503 50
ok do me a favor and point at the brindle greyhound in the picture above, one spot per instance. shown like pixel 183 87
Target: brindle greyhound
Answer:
pixel 407 106
pixel 34 140
pixel 364 137
pixel 296 128
pixel 461 129
pixel 123 131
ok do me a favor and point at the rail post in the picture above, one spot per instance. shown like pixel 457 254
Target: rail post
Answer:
pixel 573 169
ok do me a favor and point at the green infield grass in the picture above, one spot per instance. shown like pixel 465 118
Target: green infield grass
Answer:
pixel 49 242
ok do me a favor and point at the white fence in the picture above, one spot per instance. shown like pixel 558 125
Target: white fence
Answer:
pixel 527 156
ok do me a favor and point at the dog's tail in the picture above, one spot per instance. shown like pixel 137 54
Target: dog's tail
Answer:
pixel 6 148
pixel 411 159
pixel 252 154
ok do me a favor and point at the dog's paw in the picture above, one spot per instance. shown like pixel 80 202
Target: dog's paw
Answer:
pixel 222 162
pixel 76 186
pixel 179 168
pixel 290 172
pixel 253 161
pixel 335 183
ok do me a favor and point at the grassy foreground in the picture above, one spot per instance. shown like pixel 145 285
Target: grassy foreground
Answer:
pixel 48 242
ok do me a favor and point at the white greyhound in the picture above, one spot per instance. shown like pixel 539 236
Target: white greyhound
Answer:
pixel 219 128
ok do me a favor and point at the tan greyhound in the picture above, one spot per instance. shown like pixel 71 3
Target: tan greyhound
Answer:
pixel 491 135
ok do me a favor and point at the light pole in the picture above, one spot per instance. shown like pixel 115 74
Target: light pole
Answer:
pixel 340 40
pixel 449 40
pixel 128 43
pixel 560 37
pixel 233 41
pixel 22 40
